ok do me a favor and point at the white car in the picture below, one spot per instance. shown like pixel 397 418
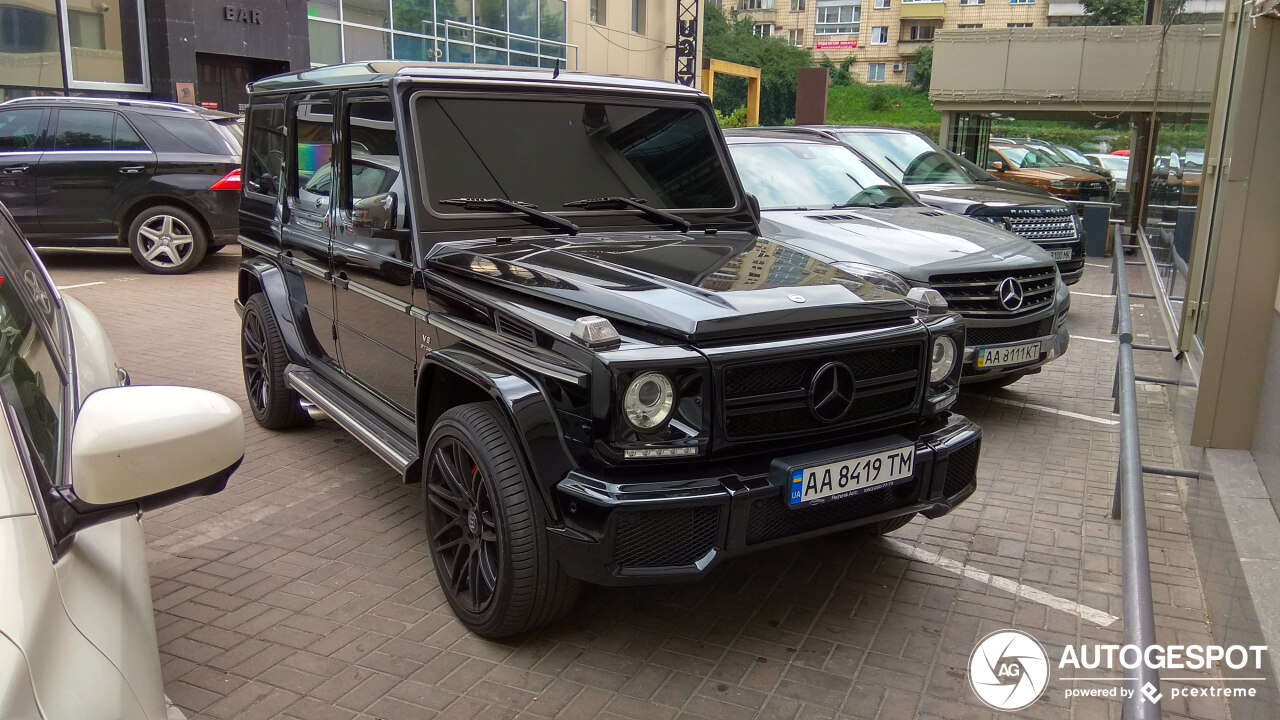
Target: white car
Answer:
pixel 82 455
pixel 1117 165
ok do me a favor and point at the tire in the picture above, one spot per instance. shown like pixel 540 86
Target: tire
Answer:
pixel 884 527
pixel 167 240
pixel 487 538
pixel 275 405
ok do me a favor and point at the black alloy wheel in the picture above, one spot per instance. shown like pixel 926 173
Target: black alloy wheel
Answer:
pixel 486 529
pixel 465 530
pixel 274 404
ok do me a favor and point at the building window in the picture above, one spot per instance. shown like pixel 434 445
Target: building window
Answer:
pixel 107 44
pixel 29 49
pixel 910 2
pixel 973 2
pixel 1019 25
pixel 969 26
pixel 911 72
pixel 881 4
pixel 797 5
pixel 838 17
pixel 879 36
pixel 918 32
pixel 763 30
pixel 875 72
pixel 750 5
pixel 796 37
pixel 637 16
pixel 595 11
pixel 1022 2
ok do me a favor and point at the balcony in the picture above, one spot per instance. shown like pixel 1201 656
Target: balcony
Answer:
pixel 922 10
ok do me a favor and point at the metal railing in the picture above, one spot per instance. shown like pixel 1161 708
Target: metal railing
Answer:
pixel 1128 503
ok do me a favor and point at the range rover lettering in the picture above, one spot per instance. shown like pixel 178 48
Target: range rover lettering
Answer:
pixel 544 296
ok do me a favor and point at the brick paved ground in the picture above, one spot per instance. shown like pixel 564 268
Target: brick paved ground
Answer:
pixel 305 589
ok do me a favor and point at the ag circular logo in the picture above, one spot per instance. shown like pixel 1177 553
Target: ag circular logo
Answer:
pixel 1008 670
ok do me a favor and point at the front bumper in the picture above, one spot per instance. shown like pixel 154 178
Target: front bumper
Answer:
pixel 640 533
pixel 1051 347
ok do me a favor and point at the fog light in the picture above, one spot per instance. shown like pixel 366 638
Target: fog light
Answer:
pixel 660 452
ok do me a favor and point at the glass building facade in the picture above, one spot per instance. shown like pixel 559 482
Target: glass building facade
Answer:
pixel 528 33
pixel 48 45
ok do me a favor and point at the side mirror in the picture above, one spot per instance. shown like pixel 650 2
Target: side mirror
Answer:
pixel 753 202
pixel 998 166
pixel 376 212
pixel 143 447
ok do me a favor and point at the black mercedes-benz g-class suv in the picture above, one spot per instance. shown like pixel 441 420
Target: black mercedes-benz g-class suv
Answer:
pixel 543 294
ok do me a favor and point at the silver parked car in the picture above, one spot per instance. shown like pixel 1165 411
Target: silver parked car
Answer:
pixel 827 200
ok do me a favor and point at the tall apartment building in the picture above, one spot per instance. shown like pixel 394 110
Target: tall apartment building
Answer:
pixel 882 35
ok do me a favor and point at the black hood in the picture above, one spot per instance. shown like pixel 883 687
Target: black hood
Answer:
pixel 985 196
pixel 694 286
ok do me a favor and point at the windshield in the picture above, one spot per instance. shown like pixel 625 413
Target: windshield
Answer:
pixel 1072 154
pixel 812 176
pixel 1114 163
pixel 549 152
pixel 1027 158
pixel 907 158
pixel 1194 160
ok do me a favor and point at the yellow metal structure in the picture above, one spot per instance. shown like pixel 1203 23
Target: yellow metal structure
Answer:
pixel 710 68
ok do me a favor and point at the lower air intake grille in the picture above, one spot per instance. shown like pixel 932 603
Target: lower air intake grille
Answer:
pixel 770 519
pixel 665 538
pixel 982 336
pixel 962 468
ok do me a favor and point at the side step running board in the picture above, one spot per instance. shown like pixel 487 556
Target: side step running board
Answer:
pixel 378 435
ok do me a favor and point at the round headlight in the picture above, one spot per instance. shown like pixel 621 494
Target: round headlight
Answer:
pixel 942 359
pixel 648 401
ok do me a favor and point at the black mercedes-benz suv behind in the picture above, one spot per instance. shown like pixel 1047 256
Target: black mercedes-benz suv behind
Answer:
pixel 544 296
pixel 159 178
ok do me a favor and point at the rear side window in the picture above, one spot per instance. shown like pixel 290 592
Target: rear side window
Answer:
pixel 265 155
pixel 197 134
pixel 126 138
pixel 84 130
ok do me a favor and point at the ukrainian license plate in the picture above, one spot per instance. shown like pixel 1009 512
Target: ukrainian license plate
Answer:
pixel 854 476
pixel 1009 355
pixel 1060 254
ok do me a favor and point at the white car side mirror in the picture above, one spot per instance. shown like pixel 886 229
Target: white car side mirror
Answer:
pixel 151 446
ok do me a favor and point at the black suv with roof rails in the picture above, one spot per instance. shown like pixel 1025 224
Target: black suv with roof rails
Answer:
pixel 569 329
pixel 950 182
pixel 162 179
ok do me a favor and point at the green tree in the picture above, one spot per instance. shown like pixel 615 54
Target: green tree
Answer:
pixel 730 38
pixel 922 68
pixel 1113 12
pixel 841 76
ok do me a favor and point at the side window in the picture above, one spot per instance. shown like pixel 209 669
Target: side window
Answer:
pixel 84 130
pixel 266 150
pixel 31 378
pixel 19 129
pixel 373 166
pixel 313 172
pixel 125 137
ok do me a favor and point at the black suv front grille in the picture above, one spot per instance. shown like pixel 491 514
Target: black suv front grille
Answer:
pixel 974 294
pixel 770 398
pixel 770 518
pixel 1041 223
pixel 983 336
pixel 665 538
pixel 962 467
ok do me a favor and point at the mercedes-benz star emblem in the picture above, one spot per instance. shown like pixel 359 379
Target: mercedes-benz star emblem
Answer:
pixel 1010 293
pixel 831 392
pixel 795 298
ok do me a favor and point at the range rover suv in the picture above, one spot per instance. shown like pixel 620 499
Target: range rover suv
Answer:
pixel 949 182
pixel 570 331
pixel 825 199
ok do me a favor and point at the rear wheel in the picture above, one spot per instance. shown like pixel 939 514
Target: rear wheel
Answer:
pixel 487 538
pixel 275 405
pixel 167 240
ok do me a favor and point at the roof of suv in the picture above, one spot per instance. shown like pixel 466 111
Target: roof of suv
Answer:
pixel 783 134
pixel 382 72
pixel 146 106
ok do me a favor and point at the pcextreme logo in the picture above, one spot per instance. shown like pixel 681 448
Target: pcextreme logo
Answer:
pixel 1009 670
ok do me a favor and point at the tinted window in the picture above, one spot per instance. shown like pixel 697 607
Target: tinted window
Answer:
pixel 313 178
pixel 84 130
pixel 125 136
pixel 375 159
pixel 566 151
pixel 197 134
pixel 266 151
pixel 812 176
pixel 19 129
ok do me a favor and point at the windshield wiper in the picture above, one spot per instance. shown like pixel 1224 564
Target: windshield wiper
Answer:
pixel 529 209
pixel 616 202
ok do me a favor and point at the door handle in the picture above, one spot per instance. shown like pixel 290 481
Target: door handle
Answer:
pixel 16 169
pixel 132 169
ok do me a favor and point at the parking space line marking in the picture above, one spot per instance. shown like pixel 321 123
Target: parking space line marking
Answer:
pixel 1084 612
pixel 73 287
pixel 1092 339
pixel 1055 411
pixel 1101 295
pixel 1101 265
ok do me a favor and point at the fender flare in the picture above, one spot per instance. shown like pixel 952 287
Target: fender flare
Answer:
pixel 261 275
pixel 522 402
